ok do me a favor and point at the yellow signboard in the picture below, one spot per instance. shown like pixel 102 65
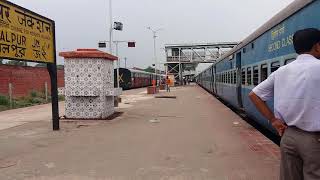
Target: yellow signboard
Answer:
pixel 25 35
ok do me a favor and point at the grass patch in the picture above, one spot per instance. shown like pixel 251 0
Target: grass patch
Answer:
pixel 4 101
pixel 3 108
pixel 34 98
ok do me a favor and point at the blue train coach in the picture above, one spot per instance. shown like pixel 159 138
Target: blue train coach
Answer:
pixel 234 75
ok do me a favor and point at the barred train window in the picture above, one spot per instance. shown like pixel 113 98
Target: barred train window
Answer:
pixel 243 76
pixel 226 77
pixel 249 76
pixel 223 78
pixel 255 75
pixel 229 77
pixel 264 72
pixel 288 61
pixel 275 66
pixel 234 77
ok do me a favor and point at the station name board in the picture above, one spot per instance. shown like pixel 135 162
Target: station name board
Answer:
pixel 25 35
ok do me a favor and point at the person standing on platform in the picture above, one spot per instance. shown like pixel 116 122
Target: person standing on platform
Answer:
pixel 296 91
pixel 168 84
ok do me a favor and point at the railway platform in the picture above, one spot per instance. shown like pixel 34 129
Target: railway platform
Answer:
pixel 186 134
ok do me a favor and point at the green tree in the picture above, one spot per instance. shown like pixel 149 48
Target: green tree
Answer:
pixel 41 65
pixel 149 69
pixel 60 66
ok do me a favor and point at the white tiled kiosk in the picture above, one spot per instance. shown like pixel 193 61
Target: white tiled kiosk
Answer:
pixel 89 84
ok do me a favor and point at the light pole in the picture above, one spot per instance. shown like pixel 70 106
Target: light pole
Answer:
pixel 154 49
pixel 117 26
pixel 111 26
pixel 118 64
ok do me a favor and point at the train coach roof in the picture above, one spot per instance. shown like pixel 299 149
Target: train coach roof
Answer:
pixel 138 71
pixel 277 19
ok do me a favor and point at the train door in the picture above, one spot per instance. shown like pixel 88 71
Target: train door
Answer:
pixel 211 80
pixel 239 88
pixel 214 80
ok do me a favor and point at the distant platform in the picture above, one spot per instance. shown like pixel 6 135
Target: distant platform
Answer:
pixel 192 136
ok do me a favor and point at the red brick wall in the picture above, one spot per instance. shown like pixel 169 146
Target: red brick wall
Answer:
pixel 25 79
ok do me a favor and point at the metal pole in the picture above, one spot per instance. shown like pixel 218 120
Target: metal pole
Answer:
pixel 125 62
pixel 10 95
pixel 52 68
pixel 111 26
pixel 155 55
pixel 180 78
pixel 154 50
pixel 118 64
pixel 46 90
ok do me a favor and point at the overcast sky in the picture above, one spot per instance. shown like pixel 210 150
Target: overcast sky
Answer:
pixel 82 23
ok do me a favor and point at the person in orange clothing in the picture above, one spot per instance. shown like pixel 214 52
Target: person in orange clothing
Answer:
pixel 168 84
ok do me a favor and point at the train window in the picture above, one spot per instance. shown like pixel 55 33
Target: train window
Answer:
pixel 264 72
pixel 226 74
pixel 234 77
pixel 275 66
pixel 228 79
pixel 244 50
pixel 252 45
pixel 243 76
pixel 249 76
pixel 288 61
pixel 222 76
pixel 255 75
pixel 225 77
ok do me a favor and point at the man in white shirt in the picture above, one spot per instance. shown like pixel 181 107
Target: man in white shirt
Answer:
pixel 296 92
